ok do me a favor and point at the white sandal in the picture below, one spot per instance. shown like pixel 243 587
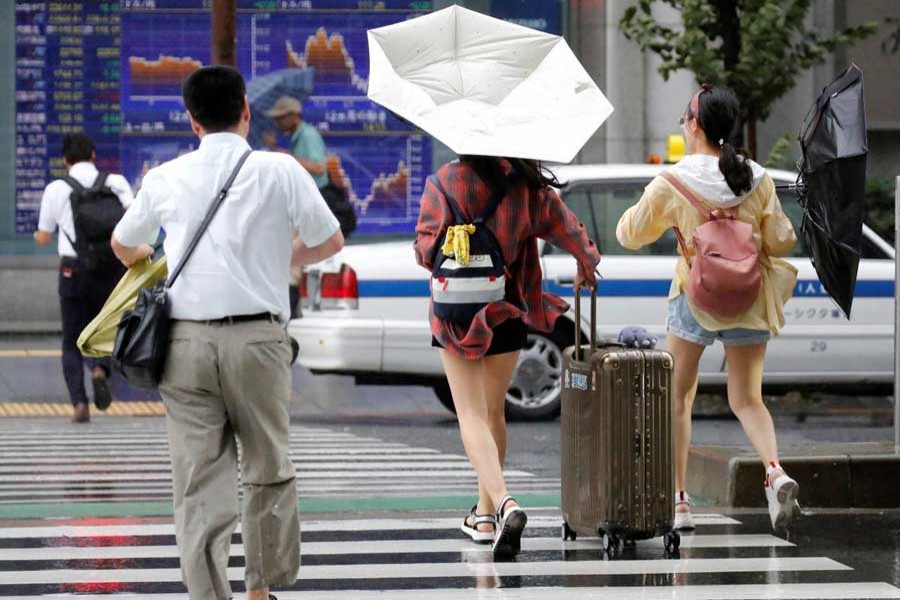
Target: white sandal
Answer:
pixel 510 524
pixel 683 520
pixel 781 493
pixel 478 536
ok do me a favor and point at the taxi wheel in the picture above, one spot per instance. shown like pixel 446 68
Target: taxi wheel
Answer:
pixel 536 383
pixel 442 391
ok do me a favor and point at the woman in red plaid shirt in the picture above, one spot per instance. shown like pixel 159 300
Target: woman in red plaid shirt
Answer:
pixel 479 357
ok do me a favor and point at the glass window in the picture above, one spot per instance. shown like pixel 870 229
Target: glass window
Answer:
pixel 871 250
pixel 794 211
pixel 600 205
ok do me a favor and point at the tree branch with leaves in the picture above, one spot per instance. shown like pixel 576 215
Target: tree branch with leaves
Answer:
pixel 755 47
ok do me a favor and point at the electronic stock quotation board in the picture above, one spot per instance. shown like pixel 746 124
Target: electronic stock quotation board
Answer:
pixel 113 69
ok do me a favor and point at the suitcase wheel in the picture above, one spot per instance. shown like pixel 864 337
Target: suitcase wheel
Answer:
pixel 672 541
pixel 610 542
pixel 568 533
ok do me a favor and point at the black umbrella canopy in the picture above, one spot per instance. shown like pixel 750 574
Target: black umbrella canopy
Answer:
pixel 833 183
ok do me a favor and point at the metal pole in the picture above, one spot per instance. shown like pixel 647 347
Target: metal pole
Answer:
pixel 897 316
pixel 224 26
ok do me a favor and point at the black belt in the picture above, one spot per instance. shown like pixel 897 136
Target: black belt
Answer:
pixel 244 318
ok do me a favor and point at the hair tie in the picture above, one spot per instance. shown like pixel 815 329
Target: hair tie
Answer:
pixel 721 142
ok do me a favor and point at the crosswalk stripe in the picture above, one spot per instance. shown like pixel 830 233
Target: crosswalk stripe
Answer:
pixel 361 464
pixel 162 444
pixel 88 453
pixel 448 570
pixel 374 524
pixel 39 467
pixel 337 484
pixel 305 473
pixel 111 459
pixel 784 591
pixel 455 545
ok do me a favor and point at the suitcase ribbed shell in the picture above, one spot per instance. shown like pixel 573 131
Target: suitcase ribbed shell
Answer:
pixel 617 443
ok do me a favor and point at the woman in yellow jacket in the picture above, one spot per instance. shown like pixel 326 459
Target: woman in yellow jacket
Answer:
pixel 724 180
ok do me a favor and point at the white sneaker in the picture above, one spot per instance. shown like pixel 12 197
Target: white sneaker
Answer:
pixel 683 520
pixel 782 495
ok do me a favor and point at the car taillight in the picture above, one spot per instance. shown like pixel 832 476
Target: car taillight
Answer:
pixel 340 290
pixel 304 283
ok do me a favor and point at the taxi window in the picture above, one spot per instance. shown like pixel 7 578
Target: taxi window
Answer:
pixel 794 211
pixel 600 205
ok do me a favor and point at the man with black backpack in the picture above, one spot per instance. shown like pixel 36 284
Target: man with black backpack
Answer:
pixel 85 205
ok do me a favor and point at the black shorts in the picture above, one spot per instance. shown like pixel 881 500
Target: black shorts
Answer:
pixel 509 336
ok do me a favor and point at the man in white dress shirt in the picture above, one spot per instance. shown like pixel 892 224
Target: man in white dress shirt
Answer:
pixel 228 370
pixel 82 290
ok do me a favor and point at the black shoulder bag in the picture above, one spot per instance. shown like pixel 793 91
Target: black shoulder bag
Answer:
pixel 142 339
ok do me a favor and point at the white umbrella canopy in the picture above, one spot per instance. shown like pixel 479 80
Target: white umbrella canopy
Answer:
pixel 484 86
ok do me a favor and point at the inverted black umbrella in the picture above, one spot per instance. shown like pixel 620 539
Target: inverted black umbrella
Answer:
pixel 832 184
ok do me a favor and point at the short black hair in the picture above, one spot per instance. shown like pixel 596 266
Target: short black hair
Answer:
pixel 77 147
pixel 215 97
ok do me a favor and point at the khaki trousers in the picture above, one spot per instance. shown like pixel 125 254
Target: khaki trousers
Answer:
pixel 224 384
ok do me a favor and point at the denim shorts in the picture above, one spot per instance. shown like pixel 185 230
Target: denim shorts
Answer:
pixel 681 323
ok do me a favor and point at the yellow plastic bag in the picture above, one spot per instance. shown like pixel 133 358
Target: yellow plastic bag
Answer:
pixel 99 337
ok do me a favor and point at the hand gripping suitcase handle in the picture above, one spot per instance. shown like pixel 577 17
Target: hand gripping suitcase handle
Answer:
pixel 578 355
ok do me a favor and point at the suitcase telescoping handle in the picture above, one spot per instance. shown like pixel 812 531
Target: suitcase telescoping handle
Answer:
pixel 578 354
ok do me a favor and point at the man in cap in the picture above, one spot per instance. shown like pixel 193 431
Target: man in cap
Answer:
pixel 307 145
pixel 308 148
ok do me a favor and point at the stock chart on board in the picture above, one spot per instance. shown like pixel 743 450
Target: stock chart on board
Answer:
pixel 114 69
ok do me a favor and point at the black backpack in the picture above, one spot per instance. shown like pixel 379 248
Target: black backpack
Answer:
pixel 96 211
pixel 460 288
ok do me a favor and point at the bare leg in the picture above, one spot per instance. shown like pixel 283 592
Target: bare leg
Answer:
pixel 497 371
pixel 684 381
pixel 466 378
pixel 745 370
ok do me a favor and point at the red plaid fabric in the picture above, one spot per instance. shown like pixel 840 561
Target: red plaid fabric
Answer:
pixel 522 217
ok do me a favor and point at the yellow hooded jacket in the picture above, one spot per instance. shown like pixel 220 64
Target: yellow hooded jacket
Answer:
pixel 662 207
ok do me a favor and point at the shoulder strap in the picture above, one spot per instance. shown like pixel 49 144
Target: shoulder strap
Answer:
pixel 214 207
pixel 73 183
pixel 687 193
pixel 692 198
pixel 491 207
pixel 99 182
pixel 69 237
pixel 493 204
pixel 454 207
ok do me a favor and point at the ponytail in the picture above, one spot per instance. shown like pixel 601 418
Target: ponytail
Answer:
pixel 734 166
pixel 717 110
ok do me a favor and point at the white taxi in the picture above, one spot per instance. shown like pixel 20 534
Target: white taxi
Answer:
pixel 365 310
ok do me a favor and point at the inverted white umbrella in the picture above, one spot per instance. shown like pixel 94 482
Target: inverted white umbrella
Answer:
pixel 484 86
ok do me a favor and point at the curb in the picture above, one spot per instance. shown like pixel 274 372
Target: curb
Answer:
pixel 855 479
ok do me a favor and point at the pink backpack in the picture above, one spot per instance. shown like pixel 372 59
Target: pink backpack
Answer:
pixel 725 277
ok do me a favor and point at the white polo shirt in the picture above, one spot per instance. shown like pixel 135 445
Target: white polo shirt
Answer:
pixel 242 264
pixel 56 208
